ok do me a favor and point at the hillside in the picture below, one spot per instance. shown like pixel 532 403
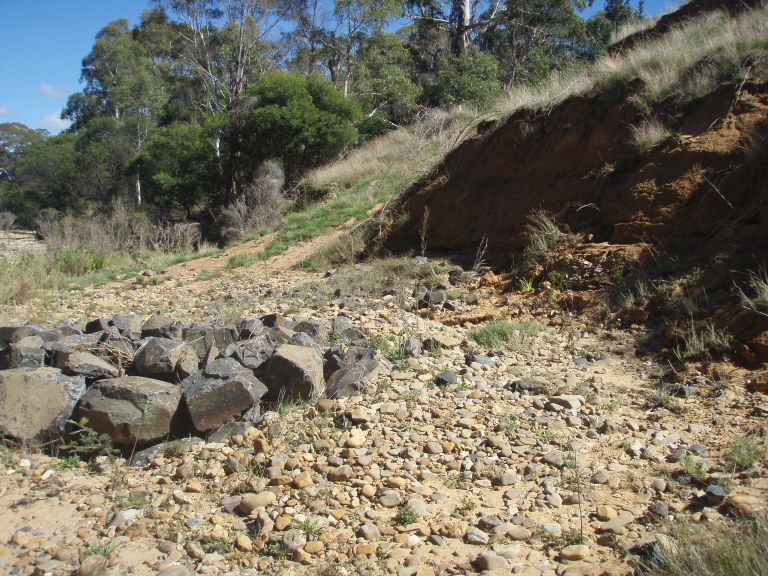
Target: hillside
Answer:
pixel 655 171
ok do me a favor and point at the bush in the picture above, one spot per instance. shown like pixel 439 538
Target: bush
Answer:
pixel 470 79
pixel 302 120
pixel 261 204
pixel 7 220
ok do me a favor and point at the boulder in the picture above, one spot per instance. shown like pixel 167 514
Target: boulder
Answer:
pixel 18 356
pixel 252 353
pixel 161 326
pixel 202 337
pixel 222 390
pixel 249 327
pixel 14 332
pixel 36 404
pixel 344 330
pixel 166 359
pixel 354 380
pixel 295 372
pixel 132 409
pixel 90 366
pixel 312 327
pixel 129 325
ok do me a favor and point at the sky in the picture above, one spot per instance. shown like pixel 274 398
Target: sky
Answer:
pixel 43 42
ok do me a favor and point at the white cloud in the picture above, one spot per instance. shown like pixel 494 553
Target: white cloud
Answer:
pixel 3 111
pixel 54 123
pixel 52 91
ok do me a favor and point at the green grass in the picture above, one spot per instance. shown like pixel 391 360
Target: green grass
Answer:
pixel 240 260
pixel 501 333
pixel 316 219
pixel 739 548
pixel 308 527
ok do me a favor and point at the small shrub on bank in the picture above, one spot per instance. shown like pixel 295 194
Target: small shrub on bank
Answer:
pixel 649 134
pixel 737 549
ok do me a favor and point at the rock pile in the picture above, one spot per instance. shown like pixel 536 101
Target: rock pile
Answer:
pixel 143 381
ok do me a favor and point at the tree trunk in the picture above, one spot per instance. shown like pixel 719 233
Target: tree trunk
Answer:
pixel 460 21
pixel 138 188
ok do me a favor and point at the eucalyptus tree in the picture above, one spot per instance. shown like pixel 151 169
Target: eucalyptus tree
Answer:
pixel 531 38
pixel 121 83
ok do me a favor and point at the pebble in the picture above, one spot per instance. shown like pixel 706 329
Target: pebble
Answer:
pixel 476 536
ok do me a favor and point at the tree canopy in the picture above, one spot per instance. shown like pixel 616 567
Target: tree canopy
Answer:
pixel 178 112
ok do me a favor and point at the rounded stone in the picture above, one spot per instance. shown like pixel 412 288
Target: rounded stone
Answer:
pixel 491 562
pixel 252 501
pixel 575 552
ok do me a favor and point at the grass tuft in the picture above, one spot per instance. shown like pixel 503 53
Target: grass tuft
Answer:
pixel 737 549
pixel 501 333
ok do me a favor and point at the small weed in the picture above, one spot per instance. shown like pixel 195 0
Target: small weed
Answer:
pixel 257 469
pixel 389 348
pixel 405 516
pixel 508 423
pixel 557 541
pixel 546 436
pixel 734 549
pixel 757 300
pixel 649 134
pixel 105 549
pixel 216 545
pixel 308 527
pixel 458 480
pixel 207 275
pixel 409 396
pixel 84 442
pixel 276 551
pixel 691 468
pixel 342 423
pixel 663 399
pixel 525 285
pixel 68 462
pixel 607 169
pixel 745 451
pixel 542 234
pixel 467 504
pixel 173 449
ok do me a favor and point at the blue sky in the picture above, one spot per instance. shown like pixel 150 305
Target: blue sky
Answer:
pixel 43 42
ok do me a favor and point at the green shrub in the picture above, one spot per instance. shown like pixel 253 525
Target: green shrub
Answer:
pixel 303 120
pixel 74 261
pixel 745 451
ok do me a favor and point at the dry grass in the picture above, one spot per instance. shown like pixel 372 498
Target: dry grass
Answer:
pixel 691 59
pixel 632 27
pixel 406 153
pixel 649 134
